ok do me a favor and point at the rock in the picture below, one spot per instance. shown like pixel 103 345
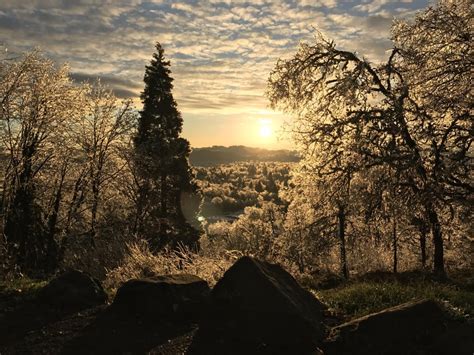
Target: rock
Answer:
pixel 458 340
pixel 73 290
pixel 258 307
pixel 63 296
pixel 176 296
pixel 409 328
pixel 144 315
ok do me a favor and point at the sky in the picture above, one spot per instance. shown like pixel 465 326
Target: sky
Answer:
pixel 221 51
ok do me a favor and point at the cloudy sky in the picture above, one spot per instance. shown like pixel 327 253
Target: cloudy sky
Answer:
pixel 221 51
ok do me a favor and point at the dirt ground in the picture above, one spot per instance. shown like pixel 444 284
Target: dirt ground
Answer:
pixel 27 327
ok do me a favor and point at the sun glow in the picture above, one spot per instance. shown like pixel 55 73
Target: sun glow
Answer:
pixel 265 128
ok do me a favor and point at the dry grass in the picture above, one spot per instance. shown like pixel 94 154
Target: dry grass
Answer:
pixel 140 262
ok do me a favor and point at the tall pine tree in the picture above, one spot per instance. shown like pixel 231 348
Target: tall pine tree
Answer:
pixel 162 161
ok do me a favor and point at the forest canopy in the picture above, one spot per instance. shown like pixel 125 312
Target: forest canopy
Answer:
pixel 382 178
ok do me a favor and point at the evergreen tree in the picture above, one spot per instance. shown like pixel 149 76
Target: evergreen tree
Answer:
pixel 162 159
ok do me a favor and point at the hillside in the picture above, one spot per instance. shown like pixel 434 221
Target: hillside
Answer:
pixel 215 155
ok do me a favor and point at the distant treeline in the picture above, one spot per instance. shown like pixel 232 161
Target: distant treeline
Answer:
pixel 215 155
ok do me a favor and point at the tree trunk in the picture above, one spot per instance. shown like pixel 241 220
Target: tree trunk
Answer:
pixel 341 217
pixel 395 247
pixel 21 221
pixel 18 226
pixel 163 192
pixel 94 209
pixel 438 259
pixel 138 220
pixel 141 207
pixel 76 202
pixel 423 247
pixel 53 250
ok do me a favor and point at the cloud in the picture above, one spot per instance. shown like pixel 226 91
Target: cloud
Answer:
pixel 122 88
pixel 221 50
pixel 379 23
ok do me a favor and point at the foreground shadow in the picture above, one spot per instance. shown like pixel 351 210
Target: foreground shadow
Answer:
pixel 113 334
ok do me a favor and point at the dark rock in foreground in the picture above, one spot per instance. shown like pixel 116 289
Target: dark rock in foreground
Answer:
pixel 175 296
pixel 73 290
pixel 144 315
pixel 65 295
pixel 458 340
pixel 410 328
pixel 258 307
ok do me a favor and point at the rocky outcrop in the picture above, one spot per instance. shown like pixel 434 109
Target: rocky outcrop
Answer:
pixel 145 313
pixel 171 296
pixel 258 307
pixel 458 340
pixel 72 290
pixel 409 328
pixel 65 295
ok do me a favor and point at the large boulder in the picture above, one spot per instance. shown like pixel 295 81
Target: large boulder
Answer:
pixel 458 340
pixel 65 295
pixel 258 307
pixel 145 314
pixel 73 290
pixel 175 296
pixel 409 328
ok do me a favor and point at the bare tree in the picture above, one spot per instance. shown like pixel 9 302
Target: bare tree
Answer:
pixel 36 99
pixel 102 134
pixel 351 113
pixel 62 155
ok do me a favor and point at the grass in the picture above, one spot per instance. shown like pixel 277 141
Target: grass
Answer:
pixel 14 293
pixel 350 299
pixel 364 296
pixel 23 285
pixel 18 290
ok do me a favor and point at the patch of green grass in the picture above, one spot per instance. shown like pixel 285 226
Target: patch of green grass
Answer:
pixel 22 285
pixel 359 298
pixel 16 292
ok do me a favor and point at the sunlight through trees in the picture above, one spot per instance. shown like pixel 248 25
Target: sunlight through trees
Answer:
pixel 410 115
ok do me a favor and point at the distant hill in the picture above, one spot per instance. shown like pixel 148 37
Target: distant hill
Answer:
pixel 216 155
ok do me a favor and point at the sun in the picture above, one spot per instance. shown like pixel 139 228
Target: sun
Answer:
pixel 265 131
pixel 265 128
